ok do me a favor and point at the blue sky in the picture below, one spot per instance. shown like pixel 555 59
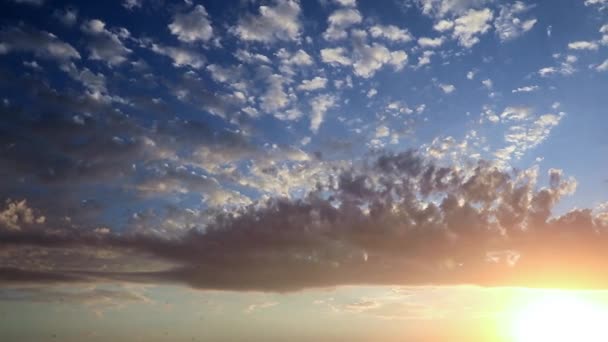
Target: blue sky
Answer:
pixel 156 142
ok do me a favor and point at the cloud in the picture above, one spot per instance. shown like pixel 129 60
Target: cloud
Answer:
pixel 391 32
pixel 426 42
pixel 435 224
pixel 508 25
pixel 447 88
pixel 278 22
pixel 469 26
pixel 526 89
pixel 29 2
pixel 132 4
pixel 18 214
pixel 104 45
pixel 193 26
pixel 181 57
pixel 443 25
pixel 67 17
pixel 335 56
pixel 603 4
pixel 441 8
pixel 275 97
pixel 41 43
pixel 313 84
pixel 583 45
pixel 370 58
pixel 320 105
pixel 339 21
pixel 603 66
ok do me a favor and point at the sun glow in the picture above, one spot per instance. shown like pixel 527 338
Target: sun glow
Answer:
pixel 560 316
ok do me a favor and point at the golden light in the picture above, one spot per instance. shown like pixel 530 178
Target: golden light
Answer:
pixel 560 316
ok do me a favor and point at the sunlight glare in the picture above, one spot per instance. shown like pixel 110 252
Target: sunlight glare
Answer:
pixel 560 316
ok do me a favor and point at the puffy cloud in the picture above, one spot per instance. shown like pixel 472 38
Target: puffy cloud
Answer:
pixel 447 88
pixel 335 56
pixel 469 26
pixel 347 3
pixel 426 42
pixel 508 25
pixel 181 57
pixel 441 8
pixel 425 58
pixel 313 84
pixel 583 45
pixel 443 25
pixel 41 43
pixel 487 83
pixel 251 58
pixel 320 105
pixel 275 97
pixel 390 32
pixel 192 26
pixel 278 22
pixel 603 4
pixel 603 66
pixel 105 45
pixel 339 21
pixel 435 224
pixel 18 214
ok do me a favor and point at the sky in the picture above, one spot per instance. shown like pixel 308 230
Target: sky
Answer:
pixel 303 170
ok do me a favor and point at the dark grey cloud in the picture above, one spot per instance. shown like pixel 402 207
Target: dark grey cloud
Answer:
pixel 397 219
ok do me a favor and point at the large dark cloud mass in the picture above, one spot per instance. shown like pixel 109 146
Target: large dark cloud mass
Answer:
pixel 397 219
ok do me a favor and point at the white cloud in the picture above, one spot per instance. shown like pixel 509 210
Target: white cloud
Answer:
pixel 443 25
pixel 335 56
pixel 41 43
pixel 473 23
pixel 275 97
pixel 181 57
pixel 527 135
pixel 105 45
pixel 516 113
pixel 192 26
pixel 603 4
pixel 470 75
pixel 441 8
pixel 390 32
pixel 603 66
pixel 526 89
pixel 382 131
pixel 447 88
pixel 487 83
pixel 320 105
pixel 371 93
pixel 583 45
pixel 426 42
pixel 299 58
pixel 425 58
pixel 251 58
pixel 278 22
pixel 347 3
pixel 313 84
pixel 339 21
pixel 370 58
pixel 508 25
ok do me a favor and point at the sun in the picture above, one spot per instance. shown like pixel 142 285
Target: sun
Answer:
pixel 560 316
